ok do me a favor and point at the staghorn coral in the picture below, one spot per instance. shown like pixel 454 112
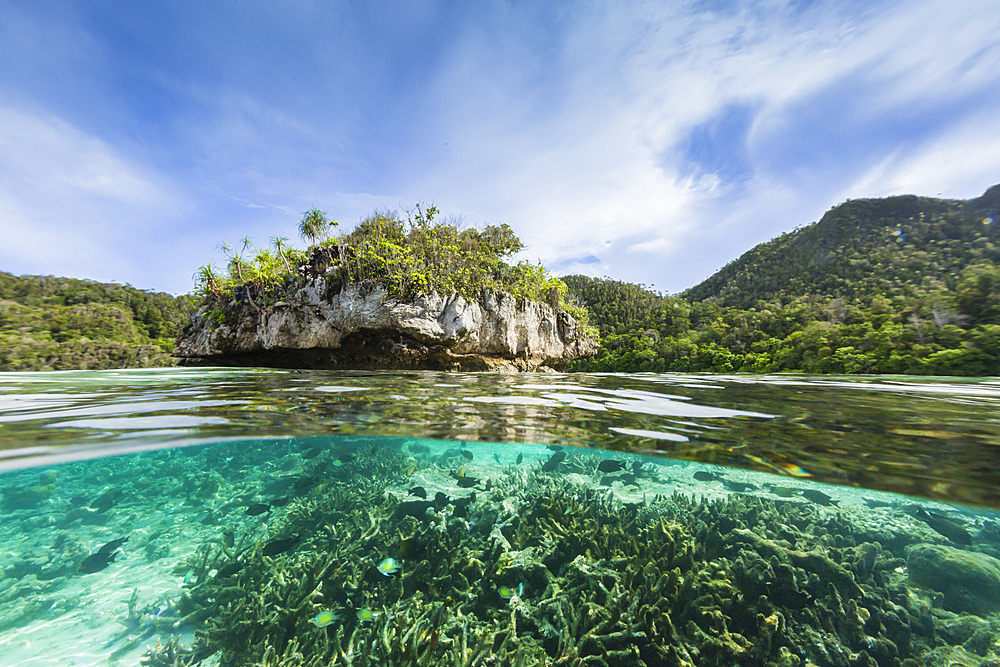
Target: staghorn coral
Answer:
pixel 674 581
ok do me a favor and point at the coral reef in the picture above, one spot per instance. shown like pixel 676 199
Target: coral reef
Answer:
pixel 969 581
pixel 540 569
pixel 284 552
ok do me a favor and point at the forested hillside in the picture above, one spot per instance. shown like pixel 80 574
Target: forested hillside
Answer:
pixel 49 323
pixel 896 285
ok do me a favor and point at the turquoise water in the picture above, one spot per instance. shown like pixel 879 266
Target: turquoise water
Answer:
pixel 230 517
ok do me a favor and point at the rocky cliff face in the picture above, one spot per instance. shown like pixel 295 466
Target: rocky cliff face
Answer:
pixel 361 326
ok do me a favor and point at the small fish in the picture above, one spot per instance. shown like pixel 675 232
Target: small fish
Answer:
pixel 112 545
pixel 280 502
pixel 554 448
pixel 189 576
pixel 467 482
pixel 610 465
pixel 628 479
pixel 440 499
pixel 257 509
pixel 324 618
pixel 407 546
pixel 412 468
pixel 230 569
pixel 336 463
pixel 705 476
pixel 520 457
pixel 305 482
pixel 819 497
pixel 389 566
pixel 228 538
pixel 553 462
pixel 507 593
pixel 365 614
pixel 312 453
pixel 738 487
pixel 280 545
pixel 106 501
pixel 415 508
pixel 496 457
pixel 97 562
pixel 462 506
pixel 460 472
pixel 943 525
pixel 419 492
pixel 783 491
pixel 467 454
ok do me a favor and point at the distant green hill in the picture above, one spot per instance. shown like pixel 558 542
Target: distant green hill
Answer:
pixel 49 323
pixel 896 285
pixel 898 246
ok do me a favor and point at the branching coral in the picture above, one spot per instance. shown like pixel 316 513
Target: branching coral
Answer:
pixel 539 570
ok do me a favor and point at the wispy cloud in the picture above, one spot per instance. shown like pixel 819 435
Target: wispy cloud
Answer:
pixel 68 199
pixel 672 131
pixel 647 141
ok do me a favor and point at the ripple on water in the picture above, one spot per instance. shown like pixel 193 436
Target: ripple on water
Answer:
pixel 141 423
pixel 913 435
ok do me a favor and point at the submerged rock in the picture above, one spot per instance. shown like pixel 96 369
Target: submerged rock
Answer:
pixel 362 326
pixel 968 580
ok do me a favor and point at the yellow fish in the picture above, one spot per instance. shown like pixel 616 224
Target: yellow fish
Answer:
pixel 389 566
pixel 506 592
pixel 324 618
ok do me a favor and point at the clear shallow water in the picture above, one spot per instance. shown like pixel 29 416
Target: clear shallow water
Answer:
pixel 636 547
pixel 929 437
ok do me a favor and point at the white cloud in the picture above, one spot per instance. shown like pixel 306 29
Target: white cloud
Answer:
pixel 956 164
pixel 71 204
pixel 591 159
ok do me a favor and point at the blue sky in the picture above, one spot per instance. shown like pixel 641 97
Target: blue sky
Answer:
pixel 645 141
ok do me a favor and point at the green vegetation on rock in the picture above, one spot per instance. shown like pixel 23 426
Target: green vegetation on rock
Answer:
pixel 49 323
pixel 898 285
pixel 408 257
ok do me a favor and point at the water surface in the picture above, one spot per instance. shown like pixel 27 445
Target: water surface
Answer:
pixel 238 517
pixel 930 437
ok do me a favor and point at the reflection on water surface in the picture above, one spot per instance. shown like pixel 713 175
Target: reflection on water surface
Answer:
pixel 921 436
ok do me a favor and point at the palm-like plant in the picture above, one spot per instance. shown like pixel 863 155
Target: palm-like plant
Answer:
pixel 279 244
pixel 313 225
pixel 207 279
